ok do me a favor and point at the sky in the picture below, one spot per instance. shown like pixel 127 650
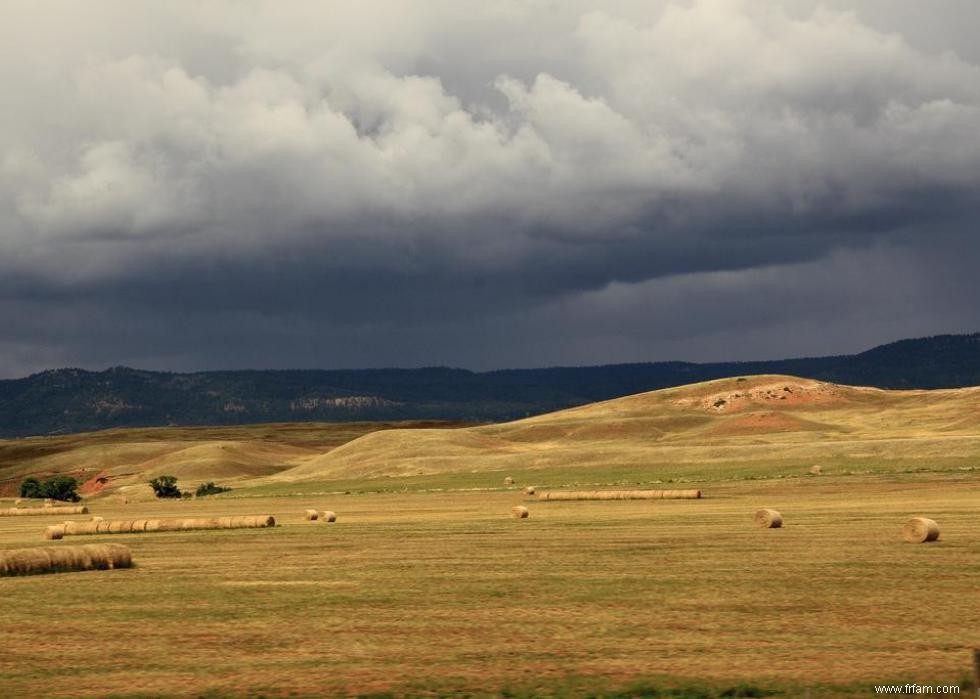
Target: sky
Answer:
pixel 217 185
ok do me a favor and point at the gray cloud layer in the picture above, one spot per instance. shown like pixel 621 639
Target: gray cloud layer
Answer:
pixel 509 184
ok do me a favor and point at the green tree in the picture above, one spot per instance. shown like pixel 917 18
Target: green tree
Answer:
pixel 165 487
pixel 56 487
pixel 31 488
pixel 61 488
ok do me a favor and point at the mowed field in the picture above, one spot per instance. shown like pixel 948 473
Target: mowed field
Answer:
pixel 426 586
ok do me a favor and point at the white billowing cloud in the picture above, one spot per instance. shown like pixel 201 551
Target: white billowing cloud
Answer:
pixel 546 149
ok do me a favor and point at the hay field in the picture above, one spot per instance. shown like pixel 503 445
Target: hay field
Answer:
pixel 427 585
pixel 445 593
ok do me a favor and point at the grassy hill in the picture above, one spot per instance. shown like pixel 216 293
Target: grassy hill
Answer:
pixel 743 427
pixel 740 427
pixel 125 459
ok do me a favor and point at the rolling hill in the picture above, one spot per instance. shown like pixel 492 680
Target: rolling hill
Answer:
pixel 125 459
pixel 73 400
pixel 765 426
pixel 769 425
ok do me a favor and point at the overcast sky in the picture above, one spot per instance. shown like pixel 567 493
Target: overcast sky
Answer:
pixel 516 183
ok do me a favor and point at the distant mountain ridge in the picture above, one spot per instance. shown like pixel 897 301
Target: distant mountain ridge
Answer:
pixel 76 400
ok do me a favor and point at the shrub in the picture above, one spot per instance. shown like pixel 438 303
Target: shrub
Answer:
pixel 210 488
pixel 165 487
pixel 56 487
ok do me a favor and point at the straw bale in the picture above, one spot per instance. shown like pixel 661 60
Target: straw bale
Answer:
pixel 529 490
pixel 127 526
pixel 55 531
pixel 28 511
pixel 768 519
pixel 312 515
pixel 620 495
pixel 508 481
pixel 328 516
pixel 64 558
pixel 519 512
pixel 920 530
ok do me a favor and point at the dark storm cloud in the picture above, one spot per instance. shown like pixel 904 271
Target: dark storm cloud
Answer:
pixel 267 184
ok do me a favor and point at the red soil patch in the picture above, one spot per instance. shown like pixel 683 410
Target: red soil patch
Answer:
pixel 781 394
pixel 762 423
pixel 94 485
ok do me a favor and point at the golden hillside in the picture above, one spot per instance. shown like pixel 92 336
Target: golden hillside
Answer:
pixel 125 459
pixel 718 429
pixel 724 421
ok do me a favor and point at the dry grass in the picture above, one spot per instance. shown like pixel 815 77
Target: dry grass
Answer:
pixel 620 591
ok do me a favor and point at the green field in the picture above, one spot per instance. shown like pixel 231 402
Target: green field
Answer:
pixel 425 586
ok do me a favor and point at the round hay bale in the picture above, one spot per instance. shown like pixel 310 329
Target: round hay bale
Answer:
pixel 816 470
pixel 312 515
pixel 329 516
pixel 768 519
pixel 529 490
pixel 519 512
pixel 920 530
pixel 54 532
pixel 508 481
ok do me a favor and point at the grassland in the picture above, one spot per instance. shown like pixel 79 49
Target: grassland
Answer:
pixel 426 586
pixel 128 458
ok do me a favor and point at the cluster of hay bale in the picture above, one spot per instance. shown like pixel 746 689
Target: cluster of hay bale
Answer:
pixel 918 530
pixel 53 510
pixel 58 559
pixel 621 495
pixel 128 526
